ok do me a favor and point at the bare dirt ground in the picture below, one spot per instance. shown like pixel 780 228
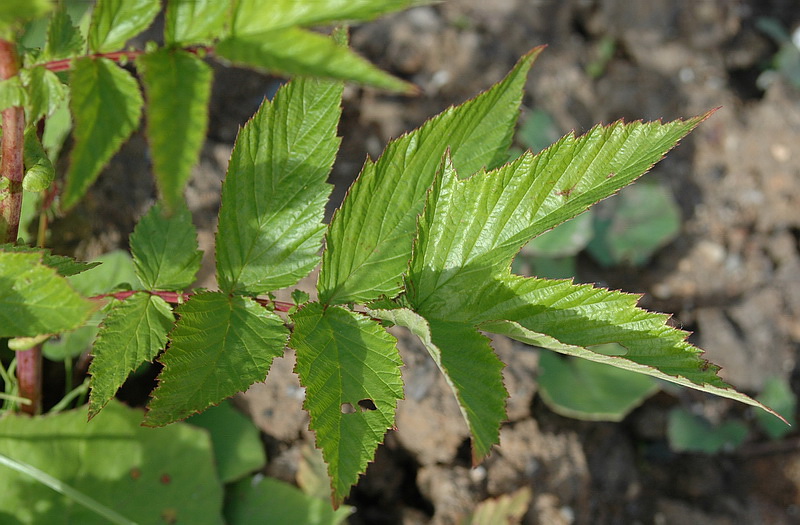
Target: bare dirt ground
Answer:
pixel 732 277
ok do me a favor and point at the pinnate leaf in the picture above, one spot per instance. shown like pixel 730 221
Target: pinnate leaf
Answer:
pixel 178 87
pixel 164 249
pixel 106 105
pixel 114 22
pixel 471 368
pixel 294 51
pixel 274 195
pixel 35 300
pixel 369 239
pixel 133 332
pixel 196 21
pixel 221 345
pixel 347 363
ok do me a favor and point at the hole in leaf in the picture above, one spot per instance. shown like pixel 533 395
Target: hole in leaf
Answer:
pixel 367 404
pixel 347 408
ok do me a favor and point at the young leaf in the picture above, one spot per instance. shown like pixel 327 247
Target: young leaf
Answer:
pixel 274 195
pixel 350 368
pixel 133 332
pixel 114 22
pixel 35 300
pixel 369 239
pixel 106 104
pixel 294 51
pixel 251 17
pixel 64 39
pixel 196 21
pixel 221 345
pixel 178 87
pixel 165 250
pixel 65 266
pixel 39 171
pixel 470 367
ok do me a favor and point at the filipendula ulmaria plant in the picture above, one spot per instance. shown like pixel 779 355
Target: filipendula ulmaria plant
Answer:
pixel 424 238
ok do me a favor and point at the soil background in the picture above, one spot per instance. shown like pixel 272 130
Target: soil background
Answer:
pixel 732 277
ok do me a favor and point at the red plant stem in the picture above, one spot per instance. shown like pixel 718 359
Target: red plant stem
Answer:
pixel 117 56
pixel 29 362
pixel 180 297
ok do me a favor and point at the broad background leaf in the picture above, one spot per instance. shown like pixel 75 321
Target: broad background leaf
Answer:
pixel 369 240
pixel 106 105
pixel 196 21
pixel 178 87
pixel 160 472
pixel 133 332
pixel 343 358
pixel 220 345
pixel 114 22
pixel 35 300
pixel 273 198
pixel 13 12
pixel 164 249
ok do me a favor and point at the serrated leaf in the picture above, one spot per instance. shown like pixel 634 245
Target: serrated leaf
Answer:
pixel 146 475
pixel 590 391
pixel 65 266
pixel 251 17
pixel 196 21
pixel 114 22
pixel 220 346
pixel 134 331
pixel 178 88
pixel 35 300
pixel 164 249
pixel 347 363
pixel 273 198
pixel 45 92
pixel 64 39
pixel 471 368
pixel 106 105
pixel 238 448
pixel 369 240
pixel 294 51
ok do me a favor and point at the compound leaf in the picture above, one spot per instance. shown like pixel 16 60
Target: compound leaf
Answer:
pixel 369 239
pixel 106 105
pixel 221 345
pixel 196 21
pixel 350 368
pixel 114 22
pixel 295 51
pixel 165 250
pixel 471 368
pixel 273 198
pixel 133 332
pixel 178 87
pixel 35 300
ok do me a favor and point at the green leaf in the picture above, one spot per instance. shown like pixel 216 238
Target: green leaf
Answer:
pixel 35 300
pixel 277 503
pixel 64 39
pixel 70 345
pixel 39 171
pixel 273 198
pixel 778 395
pixel 590 391
pixel 15 12
pixel 65 266
pixel 687 432
pixel 294 51
pixel 112 270
pixel 114 22
pixel 196 21
pixel 178 88
pixel 251 17
pixel 133 332
pixel 220 346
pixel 238 449
pixel 12 93
pixel 106 105
pixel 470 367
pixel 369 239
pixel 350 368
pixel 164 249
pixel 45 92
pixel 164 474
